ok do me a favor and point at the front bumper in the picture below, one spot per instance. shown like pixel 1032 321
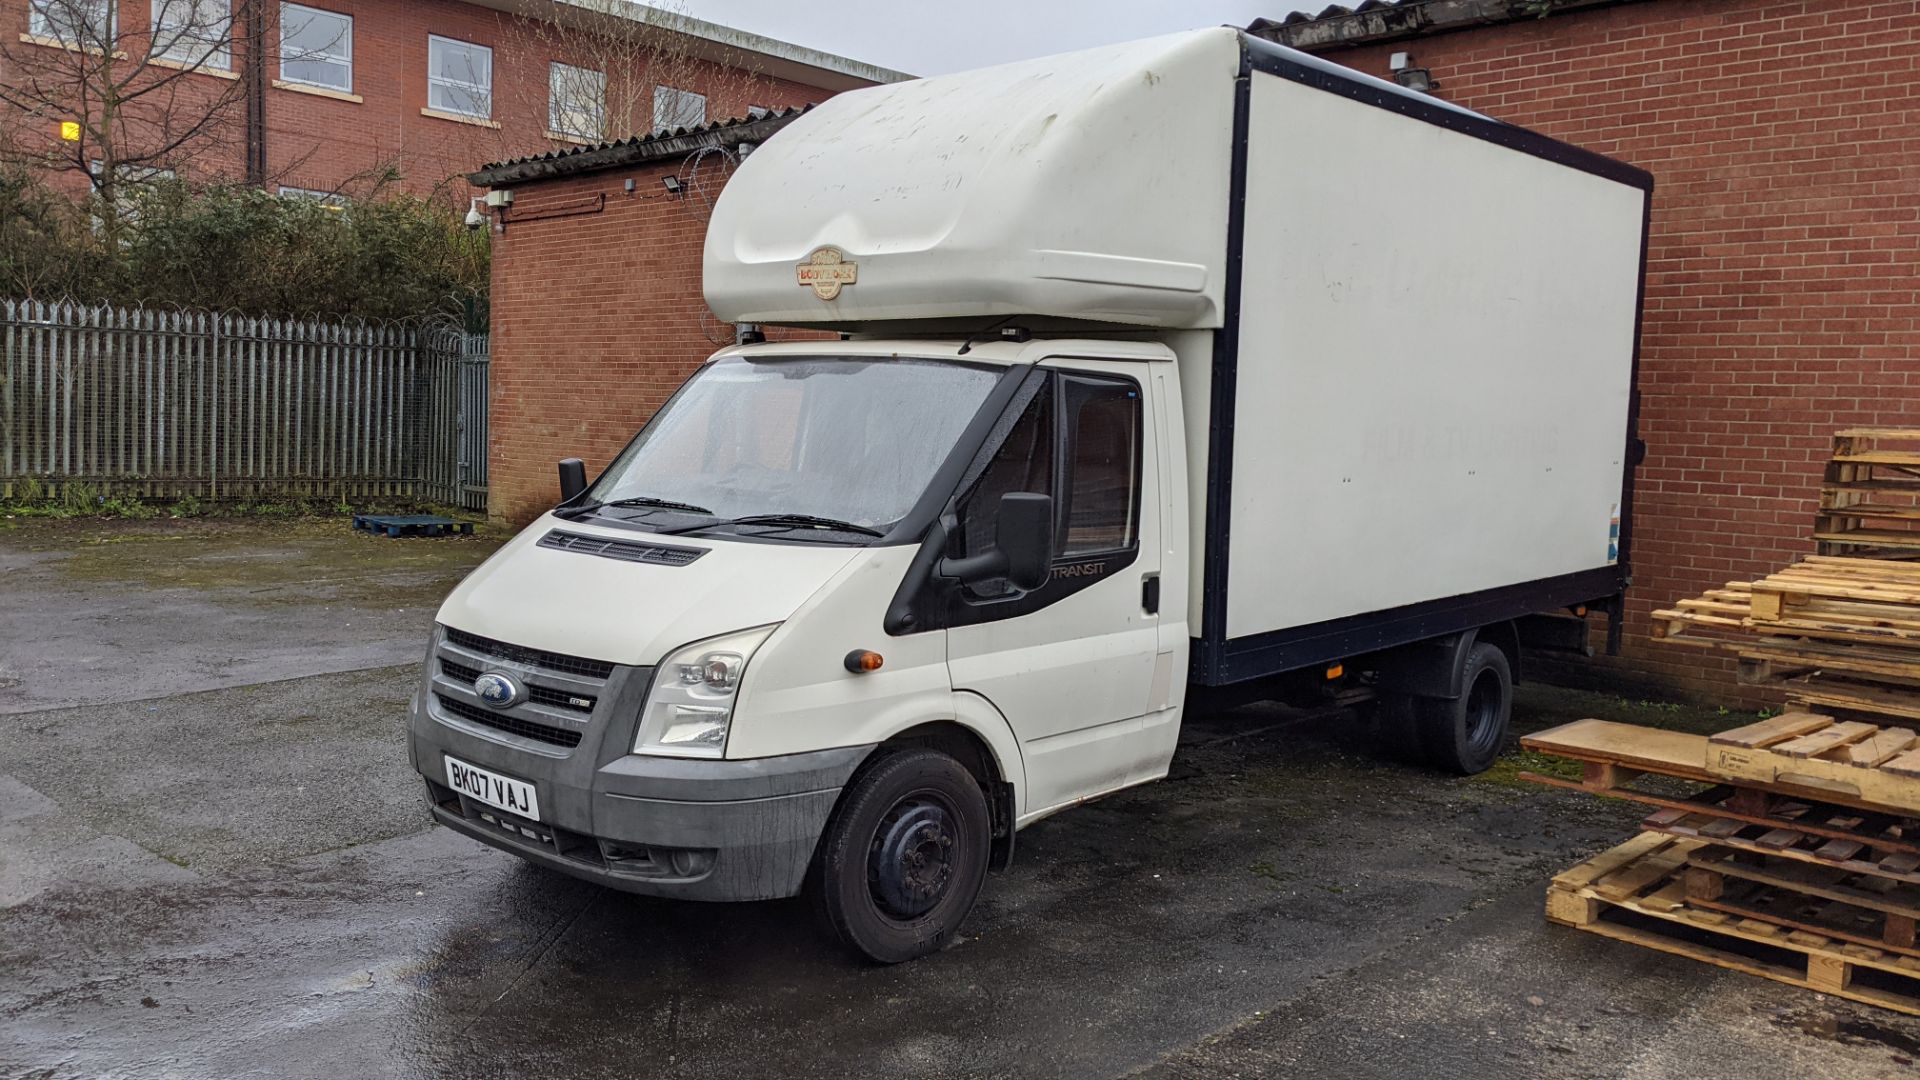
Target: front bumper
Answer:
pixel 697 829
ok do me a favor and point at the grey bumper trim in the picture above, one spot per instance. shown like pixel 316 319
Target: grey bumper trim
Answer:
pixel 711 780
pixel 752 824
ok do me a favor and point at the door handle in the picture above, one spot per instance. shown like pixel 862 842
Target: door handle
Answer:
pixel 1150 594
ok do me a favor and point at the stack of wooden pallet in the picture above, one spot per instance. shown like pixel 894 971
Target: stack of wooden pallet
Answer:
pixel 1794 856
pixel 1870 500
pixel 1839 634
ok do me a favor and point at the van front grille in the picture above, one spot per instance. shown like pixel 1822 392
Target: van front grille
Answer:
pixel 539 695
pixel 512 725
pixel 519 654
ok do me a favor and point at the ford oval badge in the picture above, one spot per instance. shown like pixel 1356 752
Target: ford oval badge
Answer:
pixel 497 690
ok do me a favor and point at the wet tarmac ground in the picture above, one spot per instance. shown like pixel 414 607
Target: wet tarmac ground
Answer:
pixel 214 862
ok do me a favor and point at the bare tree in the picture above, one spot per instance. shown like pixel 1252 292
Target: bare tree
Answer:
pixel 118 104
pixel 614 69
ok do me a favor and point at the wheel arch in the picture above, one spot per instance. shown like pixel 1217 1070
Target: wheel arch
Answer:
pixel 980 739
pixel 1432 668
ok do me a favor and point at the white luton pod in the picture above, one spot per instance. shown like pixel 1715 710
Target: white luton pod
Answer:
pixel 1191 361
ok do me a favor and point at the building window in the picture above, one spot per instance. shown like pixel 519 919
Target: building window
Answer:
pixel 328 200
pixel 673 108
pixel 87 23
pixel 459 77
pixel 132 183
pixel 316 47
pixel 576 101
pixel 197 33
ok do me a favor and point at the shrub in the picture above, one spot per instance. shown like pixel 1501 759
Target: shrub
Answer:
pixel 226 247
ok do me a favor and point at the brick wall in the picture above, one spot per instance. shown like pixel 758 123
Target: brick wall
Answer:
pixel 1783 297
pixel 323 142
pixel 597 318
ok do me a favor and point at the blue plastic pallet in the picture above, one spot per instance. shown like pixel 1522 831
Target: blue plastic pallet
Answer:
pixel 398 525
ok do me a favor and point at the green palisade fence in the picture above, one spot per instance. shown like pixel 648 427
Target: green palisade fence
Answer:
pixel 171 403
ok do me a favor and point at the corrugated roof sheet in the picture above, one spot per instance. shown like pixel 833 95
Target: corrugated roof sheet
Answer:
pixel 1392 20
pixel 653 146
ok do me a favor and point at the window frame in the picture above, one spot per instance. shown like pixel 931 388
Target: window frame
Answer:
pixel 554 111
pixel 1066 428
pixel 218 56
pixel 680 99
pixel 434 79
pixel 288 5
pixel 39 24
pixel 964 606
pixel 326 200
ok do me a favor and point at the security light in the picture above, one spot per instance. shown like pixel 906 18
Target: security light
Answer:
pixel 1419 80
pixel 674 187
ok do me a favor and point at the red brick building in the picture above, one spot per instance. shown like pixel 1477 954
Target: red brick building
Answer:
pixel 331 95
pixel 1783 298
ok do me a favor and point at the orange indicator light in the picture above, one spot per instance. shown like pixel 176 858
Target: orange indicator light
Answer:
pixel 861 661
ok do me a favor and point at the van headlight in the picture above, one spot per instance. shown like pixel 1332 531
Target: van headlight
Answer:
pixel 691 704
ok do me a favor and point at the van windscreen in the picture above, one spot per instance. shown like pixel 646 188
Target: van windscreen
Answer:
pixel 841 439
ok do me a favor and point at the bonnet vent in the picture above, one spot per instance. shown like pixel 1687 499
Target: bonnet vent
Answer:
pixel 624 550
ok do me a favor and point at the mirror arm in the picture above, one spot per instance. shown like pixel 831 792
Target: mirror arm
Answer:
pixel 982 567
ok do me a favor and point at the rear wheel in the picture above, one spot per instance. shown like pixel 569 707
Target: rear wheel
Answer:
pixel 904 856
pixel 1396 729
pixel 1466 734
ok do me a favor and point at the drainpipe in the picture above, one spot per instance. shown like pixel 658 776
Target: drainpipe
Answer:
pixel 255 74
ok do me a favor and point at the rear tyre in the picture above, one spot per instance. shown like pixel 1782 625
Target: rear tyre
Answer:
pixel 1466 734
pixel 903 858
pixel 1396 729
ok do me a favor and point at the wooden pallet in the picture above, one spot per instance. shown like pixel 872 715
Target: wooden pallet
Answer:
pixel 1831 839
pixel 1870 500
pixel 1870 601
pixel 1801 755
pixel 1637 893
pixel 1866 764
pixel 1827 897
pixel 1846 696
pixel 397 525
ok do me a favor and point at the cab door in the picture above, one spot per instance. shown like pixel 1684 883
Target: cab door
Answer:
pixel 1075 665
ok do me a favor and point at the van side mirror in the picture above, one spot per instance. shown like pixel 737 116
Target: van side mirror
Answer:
pixel 573 478
pixel 1022 549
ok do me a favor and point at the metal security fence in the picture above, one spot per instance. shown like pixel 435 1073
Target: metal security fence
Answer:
pixel 175 403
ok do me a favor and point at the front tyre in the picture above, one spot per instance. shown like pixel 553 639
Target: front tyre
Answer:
pixel 904 856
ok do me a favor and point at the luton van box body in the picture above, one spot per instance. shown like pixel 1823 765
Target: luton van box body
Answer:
pixel 1188 360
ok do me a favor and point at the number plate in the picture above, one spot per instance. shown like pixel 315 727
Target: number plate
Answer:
pixel 503 792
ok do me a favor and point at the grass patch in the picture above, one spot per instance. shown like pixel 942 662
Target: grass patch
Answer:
pixel 1537 707
pixel 1506 771
pixel 32 499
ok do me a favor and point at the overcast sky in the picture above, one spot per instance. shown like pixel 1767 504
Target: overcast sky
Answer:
pixel 925 37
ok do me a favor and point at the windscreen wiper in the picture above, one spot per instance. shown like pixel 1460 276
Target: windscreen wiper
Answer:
pixel 792 521
pixel 647 501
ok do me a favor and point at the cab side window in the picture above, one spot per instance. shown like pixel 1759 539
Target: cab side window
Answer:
pixel 1102 466
pixel 1078 440
pixel 1024 462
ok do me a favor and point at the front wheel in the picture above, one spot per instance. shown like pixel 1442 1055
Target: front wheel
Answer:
pixel 904 856
pixel 1465 734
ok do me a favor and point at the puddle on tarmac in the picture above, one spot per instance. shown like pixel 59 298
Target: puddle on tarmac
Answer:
pixel 1901 1040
